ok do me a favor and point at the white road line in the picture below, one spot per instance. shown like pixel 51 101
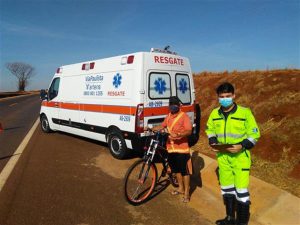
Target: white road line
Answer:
pixel 12 104
pixel 16 156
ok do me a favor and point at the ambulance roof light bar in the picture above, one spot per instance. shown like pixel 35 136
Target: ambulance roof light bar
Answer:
pixel 59 70
pixel 165 50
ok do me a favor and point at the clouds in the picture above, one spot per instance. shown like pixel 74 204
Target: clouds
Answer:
pixel 40 32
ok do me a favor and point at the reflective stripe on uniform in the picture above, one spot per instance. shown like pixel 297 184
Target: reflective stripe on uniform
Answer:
pixel 242 194
pixel 252 140
pixel 211 135
pixel 230 135
pixel 229 189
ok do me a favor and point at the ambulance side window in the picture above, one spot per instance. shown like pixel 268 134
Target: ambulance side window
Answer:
pixel 53 90
pixel 159 85
pixel 183 88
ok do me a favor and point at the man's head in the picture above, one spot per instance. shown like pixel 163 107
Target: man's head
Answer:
pixel 226 94
pixel 174 104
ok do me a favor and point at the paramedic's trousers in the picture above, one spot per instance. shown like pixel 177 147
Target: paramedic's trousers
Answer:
pixel 234 169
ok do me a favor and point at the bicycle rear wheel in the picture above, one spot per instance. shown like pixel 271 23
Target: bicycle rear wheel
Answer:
pixel 139 182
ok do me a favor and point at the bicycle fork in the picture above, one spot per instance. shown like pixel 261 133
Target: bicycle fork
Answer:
pixel 150 155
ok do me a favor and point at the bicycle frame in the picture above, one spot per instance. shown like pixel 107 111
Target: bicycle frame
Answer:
pixel 134 191
pixel 152 150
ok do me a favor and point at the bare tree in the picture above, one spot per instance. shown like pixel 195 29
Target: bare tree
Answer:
pixel 22 71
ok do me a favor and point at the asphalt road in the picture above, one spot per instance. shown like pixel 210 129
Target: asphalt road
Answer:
pixel 62 179
pixel 17 116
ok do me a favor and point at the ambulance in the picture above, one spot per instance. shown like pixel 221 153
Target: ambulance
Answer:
pixel 114 99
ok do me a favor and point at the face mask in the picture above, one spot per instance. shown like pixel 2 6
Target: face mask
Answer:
pixel 174 109
pixel 225 102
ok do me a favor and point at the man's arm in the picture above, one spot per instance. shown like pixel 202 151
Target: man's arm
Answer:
pixel 253 132
pixel 157 128
pixel 161 126
pixel 253 135
pixel 210 131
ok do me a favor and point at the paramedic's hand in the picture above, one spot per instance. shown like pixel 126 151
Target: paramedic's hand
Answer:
pixel 235 148
pixel 212 147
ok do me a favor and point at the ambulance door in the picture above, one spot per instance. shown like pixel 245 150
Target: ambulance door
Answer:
pixel 183 88
pixel 158 93
pixel 53 101
pixel 184 93
pixel 69 110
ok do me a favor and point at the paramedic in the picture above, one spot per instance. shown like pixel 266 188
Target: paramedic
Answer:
pixel 236 125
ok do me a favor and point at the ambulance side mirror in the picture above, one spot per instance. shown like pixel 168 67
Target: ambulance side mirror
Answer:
pixel 43 95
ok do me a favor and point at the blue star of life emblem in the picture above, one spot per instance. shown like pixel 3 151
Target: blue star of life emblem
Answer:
pixel 160 86
pixel 117 80
pixel 183 85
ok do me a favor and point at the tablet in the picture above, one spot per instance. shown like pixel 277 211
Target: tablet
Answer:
pixel 221 147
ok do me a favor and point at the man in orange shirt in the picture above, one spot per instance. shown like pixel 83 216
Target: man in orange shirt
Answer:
pixel 179 126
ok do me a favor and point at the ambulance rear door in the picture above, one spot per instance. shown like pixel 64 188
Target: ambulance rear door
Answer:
pixel 159 90
pixel 184 91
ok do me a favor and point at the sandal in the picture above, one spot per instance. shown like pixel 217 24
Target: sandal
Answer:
pixel 186 199
pixel 175 192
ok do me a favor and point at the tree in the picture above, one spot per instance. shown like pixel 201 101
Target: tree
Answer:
pixel 22 71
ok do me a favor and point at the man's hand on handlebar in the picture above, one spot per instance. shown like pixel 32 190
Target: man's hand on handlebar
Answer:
pixel 156 129
pixel 174 136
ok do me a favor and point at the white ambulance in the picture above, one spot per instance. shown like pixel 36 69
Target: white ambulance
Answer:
pixel 113 99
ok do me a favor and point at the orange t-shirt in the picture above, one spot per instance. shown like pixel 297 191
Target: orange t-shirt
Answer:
pixel 183 123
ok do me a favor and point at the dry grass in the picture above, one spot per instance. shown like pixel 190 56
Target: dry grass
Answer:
pixel 276 172
pixel 270 125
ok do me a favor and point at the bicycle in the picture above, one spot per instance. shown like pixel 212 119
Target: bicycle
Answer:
pixel 141 177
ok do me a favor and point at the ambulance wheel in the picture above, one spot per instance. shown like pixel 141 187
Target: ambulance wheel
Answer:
pixel 45 124
pixel 117 146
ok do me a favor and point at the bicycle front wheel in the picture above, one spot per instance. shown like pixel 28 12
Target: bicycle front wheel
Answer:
pixel 139 182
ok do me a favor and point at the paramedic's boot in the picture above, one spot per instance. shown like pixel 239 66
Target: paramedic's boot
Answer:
pixel 243 213
pixel 229 201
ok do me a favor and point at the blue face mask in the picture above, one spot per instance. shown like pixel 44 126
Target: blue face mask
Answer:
pixel 174 109
pixel 225 102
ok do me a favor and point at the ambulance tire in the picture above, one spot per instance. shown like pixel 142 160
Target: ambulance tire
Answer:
pixel 117 146
pixel 45 124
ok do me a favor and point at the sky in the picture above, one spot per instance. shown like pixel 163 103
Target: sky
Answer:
pixel 216 35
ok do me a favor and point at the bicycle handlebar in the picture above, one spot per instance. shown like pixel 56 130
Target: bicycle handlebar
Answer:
pixel 162 131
